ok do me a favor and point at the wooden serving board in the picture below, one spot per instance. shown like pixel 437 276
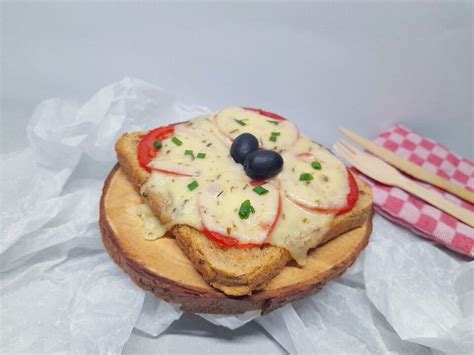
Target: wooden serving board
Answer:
pixel 161 267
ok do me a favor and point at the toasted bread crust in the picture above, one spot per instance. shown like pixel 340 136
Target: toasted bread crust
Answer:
pixel 126 148
pixel 234 271
pixel 229 270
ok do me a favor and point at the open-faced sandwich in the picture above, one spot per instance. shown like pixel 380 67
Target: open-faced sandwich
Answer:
pixel 243 192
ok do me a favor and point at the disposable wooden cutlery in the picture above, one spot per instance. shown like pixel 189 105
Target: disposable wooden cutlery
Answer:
pixel 386 174
pixel 409 167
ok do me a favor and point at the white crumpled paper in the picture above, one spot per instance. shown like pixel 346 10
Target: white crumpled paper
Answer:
pixel 60 291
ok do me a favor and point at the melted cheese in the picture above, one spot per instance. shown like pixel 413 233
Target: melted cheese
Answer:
pixel 328 187
pixel 152 228
pixel 220 204
pixel 282 216
pixel 179 202
pixel 184 158
pixel 299 230
pixel 235 121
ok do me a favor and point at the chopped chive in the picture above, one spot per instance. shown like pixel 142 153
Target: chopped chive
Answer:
pixel 208 144
pixel 274 136
pixel 201 155
pixel 189 152
pixel 193 185
pixel 260 190
pixel 157 144
pixel 316 165
pixel 246 209
pixel 240 122
pixel 176 141
pixel 306 177
pixel 273 122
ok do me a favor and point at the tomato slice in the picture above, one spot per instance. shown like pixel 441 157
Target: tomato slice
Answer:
pixel 352 198
pixel 258 182
pixel 146 150
pixel 266 113
pixel 226 242
pixel 306 156
pixel 353 195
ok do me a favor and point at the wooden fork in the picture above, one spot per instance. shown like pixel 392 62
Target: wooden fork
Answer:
pixel 378 170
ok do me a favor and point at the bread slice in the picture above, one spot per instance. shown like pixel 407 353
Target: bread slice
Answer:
pixel 234 271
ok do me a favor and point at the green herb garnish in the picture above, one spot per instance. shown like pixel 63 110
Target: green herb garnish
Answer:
pixel 240 122
pixel 189 152
pixel 260 190
pixel 316 165
pixel 274 136
pixel 306 177
pixel 176 141
pixel 246 209
pixel 208 144
pixel 201 155
pixel 193 185
pixel 157 145
pixel 273 122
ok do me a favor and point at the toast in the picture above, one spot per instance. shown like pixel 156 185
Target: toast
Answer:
pixel 234 271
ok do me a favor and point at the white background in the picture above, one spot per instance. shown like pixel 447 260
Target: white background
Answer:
pixel 362 65
pixel 321 64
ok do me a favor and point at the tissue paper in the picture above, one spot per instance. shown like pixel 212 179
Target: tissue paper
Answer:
pixel 61 292
pixel 59 289
pixel 412 283
pixel 156 315
pixel 339 319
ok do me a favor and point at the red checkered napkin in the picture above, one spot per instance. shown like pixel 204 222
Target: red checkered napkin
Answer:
pixel 410 211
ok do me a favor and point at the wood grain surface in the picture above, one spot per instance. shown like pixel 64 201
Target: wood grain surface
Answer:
pixel 161 267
